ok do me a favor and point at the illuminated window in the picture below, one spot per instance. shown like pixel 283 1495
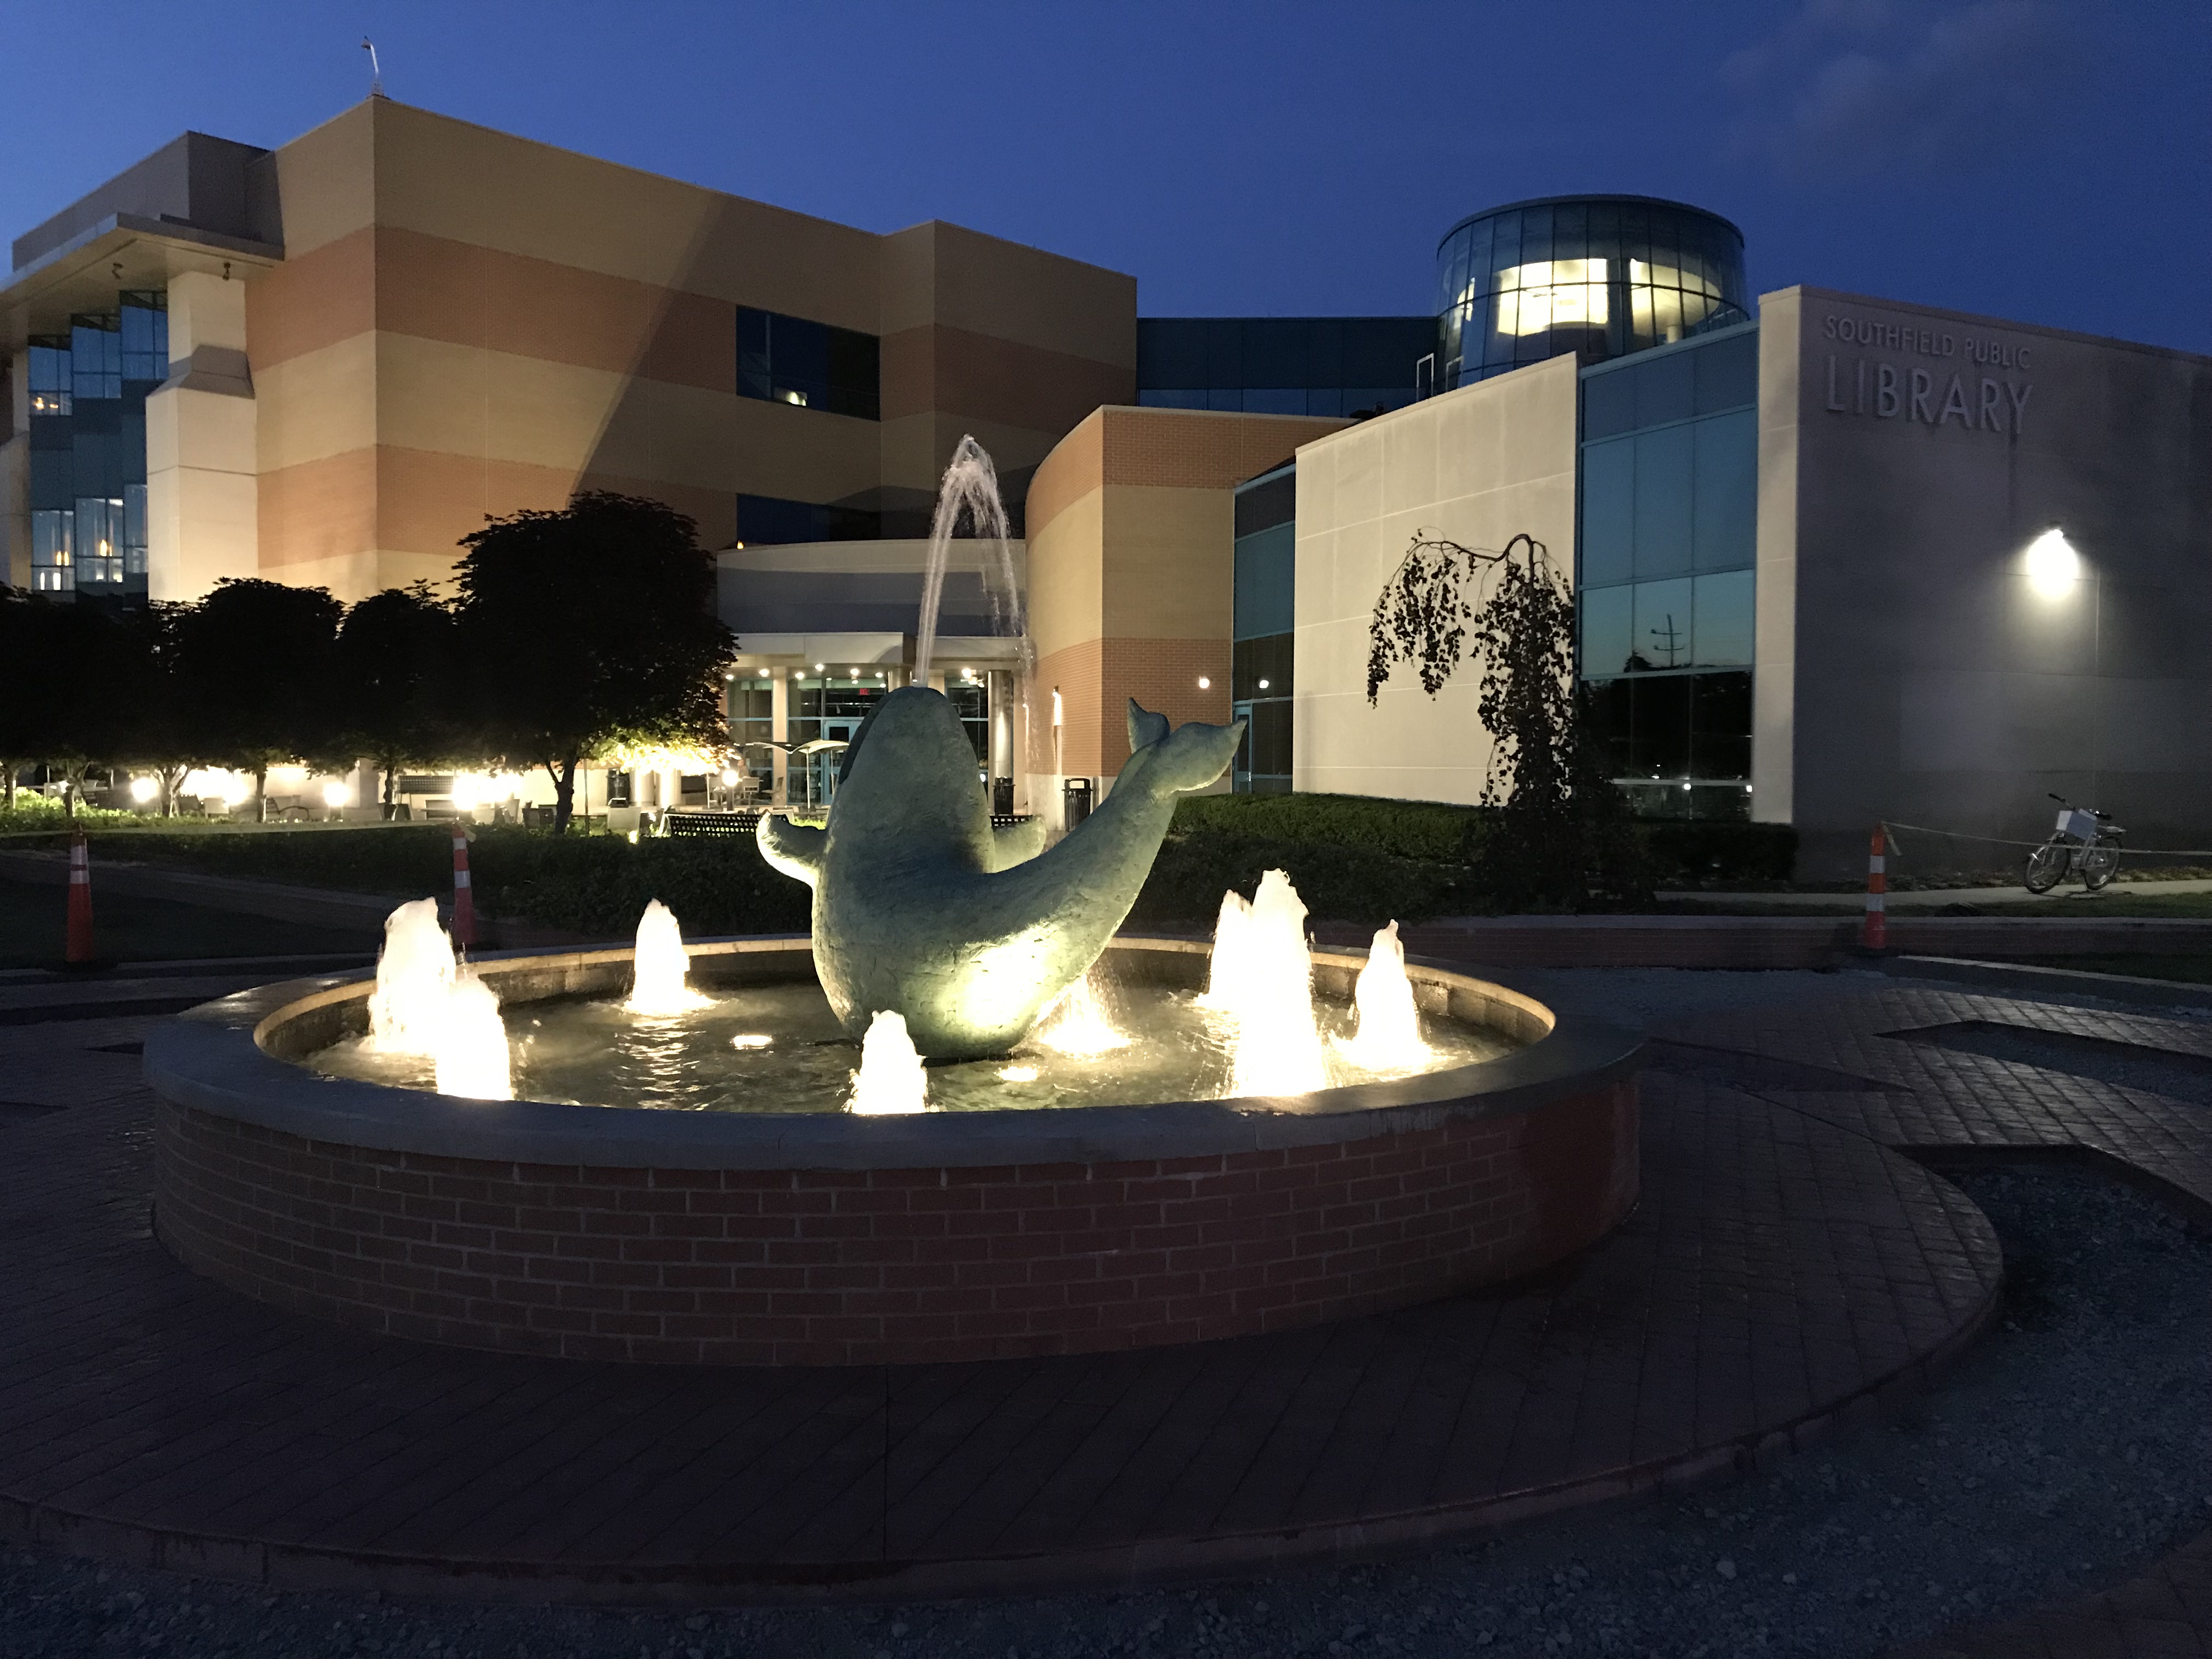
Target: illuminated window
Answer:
pixel 809 365
pixel 53 551
pixel 50 374
pixel 1665 303
pixel 99 525
pixel 1552 294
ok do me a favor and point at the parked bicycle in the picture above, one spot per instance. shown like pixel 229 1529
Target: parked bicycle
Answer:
pixel 2087 843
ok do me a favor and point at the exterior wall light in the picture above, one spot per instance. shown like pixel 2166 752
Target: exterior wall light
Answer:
pixel 2053 567
pixel 1263 685
pixel 763 673
pixel 1204 683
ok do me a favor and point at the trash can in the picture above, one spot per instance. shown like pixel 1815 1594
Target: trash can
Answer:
pixel 1074 802
pixel 1002 797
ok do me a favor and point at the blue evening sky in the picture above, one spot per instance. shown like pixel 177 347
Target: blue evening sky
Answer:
pixel 2049 160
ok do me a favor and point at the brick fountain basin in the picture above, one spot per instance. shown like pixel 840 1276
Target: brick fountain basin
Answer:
pixel 812 1238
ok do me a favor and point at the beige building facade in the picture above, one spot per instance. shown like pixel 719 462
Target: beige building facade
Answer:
pixel 400 324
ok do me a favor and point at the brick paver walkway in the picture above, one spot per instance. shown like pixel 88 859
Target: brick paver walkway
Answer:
pixel 1785 1265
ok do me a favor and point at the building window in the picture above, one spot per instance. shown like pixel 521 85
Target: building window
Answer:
pixel 99 540
pixel 791 359
pixel 752 726
pixel 96 356
pixel 144 331
pixel 1668 542
pixel 1331 366
pixel 51 384
pixel 769 521
pixel 53 551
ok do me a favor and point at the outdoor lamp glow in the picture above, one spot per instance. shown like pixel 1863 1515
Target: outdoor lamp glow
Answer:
pixel 335 794
pixel 2053 567
pixel 144 789
pixel 1204 683
pixel 729 774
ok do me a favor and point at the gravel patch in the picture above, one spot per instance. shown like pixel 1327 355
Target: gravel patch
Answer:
pixel 2070 1448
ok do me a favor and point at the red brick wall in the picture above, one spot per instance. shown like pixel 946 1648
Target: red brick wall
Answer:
pixel 824 1267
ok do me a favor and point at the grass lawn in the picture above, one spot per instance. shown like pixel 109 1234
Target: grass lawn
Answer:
pixel 128 929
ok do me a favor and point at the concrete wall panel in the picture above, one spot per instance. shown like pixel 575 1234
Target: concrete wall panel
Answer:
pixel 1506 448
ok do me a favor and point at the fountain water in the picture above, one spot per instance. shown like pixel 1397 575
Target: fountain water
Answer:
pixel 970 488
pixel 414 982
pixel 1266 986
pixel 890 1078
pixel 471 1055
pixel 660 966
pixel 1078 1023
pixel 1389 1035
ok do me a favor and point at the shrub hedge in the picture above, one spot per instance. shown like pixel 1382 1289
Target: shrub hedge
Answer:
pixel 1352 859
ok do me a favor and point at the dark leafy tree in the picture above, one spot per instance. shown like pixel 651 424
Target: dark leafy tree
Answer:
pixel 398 682
pixel 163 738
pixel 1563 833
pixel 254 666
pixel 590 629
pixel 75 678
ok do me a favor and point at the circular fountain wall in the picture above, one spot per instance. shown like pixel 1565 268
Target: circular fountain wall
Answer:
pixel 775 1238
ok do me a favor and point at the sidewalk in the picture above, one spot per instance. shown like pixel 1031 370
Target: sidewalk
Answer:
pixel 1929 898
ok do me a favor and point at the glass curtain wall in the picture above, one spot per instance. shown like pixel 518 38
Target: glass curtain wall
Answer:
pixel 87 442
pixel 1336 366
pixel 1597 276
pixel 1261 630
pixel 1664 571
pixel 829 705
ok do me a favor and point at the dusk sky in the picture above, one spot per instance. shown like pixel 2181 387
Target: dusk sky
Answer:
pixel 2041 160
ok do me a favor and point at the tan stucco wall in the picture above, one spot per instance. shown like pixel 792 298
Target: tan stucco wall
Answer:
pixel 1478 466
pixel 1132 528
pixel 503 322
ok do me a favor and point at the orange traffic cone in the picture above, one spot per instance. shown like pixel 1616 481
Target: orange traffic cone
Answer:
pixel 80 899
pixel 464 904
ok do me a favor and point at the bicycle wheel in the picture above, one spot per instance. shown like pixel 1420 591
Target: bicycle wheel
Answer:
pixel 2045 865
pixel 2101 862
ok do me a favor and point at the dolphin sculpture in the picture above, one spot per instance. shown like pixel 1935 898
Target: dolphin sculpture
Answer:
pixel 921 907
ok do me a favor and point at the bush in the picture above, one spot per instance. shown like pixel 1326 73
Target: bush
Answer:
pixel 1429 831
pixel 1719 849
pixel 1338 883
pixel 586 883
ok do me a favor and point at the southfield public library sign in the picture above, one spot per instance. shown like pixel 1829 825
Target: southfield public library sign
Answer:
pixel 1979 381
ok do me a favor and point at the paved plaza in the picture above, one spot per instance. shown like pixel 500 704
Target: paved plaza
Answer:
pixel 1794 1266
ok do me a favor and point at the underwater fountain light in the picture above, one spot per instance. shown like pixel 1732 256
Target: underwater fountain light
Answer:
pixel 1389 1035
pixel 1078 1024
pixel 1018 1074
pixel 472 1058
pixel 752 1039
pixel 1266 986
pixel 892 1078
pixel 660 966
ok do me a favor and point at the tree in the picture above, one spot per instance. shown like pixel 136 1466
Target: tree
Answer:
pixel 77 677
pixel 399 682
pixel 589 628
pixel 254 662
pixel 1563 831
pixel 161 735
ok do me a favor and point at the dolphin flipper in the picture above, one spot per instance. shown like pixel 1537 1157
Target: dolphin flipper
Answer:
pixel 792 847
pixel 1145 728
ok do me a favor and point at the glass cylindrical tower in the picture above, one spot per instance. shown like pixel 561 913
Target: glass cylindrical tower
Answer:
pixel 1597 276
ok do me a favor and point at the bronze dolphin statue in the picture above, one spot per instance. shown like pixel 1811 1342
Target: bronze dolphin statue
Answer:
pixel 921 907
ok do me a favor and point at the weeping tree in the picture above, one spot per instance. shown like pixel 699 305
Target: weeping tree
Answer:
pixel 1562 834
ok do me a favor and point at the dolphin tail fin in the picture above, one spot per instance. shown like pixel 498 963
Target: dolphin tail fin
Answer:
pixel 1189 757
pixel 792 847
pixel 1145 728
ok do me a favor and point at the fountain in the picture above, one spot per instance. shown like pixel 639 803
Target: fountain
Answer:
pixel 658 989
pixel 1058 1137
